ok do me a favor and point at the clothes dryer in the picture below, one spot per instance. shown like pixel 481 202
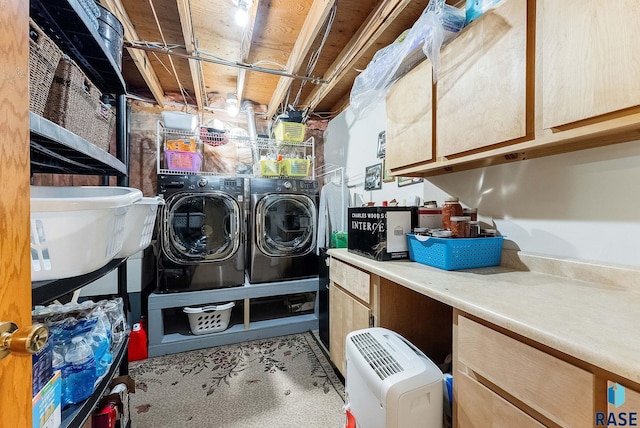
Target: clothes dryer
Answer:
pixel 283 230
pixel 202 232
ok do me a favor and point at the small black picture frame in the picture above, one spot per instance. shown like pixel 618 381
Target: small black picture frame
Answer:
pixel 382 144
pixel 373 177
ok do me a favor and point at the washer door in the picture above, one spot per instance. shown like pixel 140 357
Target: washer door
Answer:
pixel 201 227
pixel 285 225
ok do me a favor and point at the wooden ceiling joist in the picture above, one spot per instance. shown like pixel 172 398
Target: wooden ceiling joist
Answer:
pixel 377 22
pixel 139 57
pixel 310 29
pixel 195 66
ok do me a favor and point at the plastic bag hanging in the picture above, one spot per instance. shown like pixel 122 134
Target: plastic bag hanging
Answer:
pixel 438 23
pixel 444 23
pixel 434 38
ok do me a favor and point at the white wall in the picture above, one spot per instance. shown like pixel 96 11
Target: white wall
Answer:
pixel 581 205
pixel 352 143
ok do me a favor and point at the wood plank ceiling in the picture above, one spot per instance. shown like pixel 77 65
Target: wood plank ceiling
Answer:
pixel 280 35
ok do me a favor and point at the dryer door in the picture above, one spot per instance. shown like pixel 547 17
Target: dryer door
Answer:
pixel 285 225
pixel 201 227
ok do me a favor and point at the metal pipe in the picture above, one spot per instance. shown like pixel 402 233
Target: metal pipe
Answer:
pixel 251 129
pixel 220 61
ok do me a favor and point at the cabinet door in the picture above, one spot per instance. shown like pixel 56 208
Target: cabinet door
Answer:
pixel 553 387
pixel 345 315
pixel 590 58
pixel 483 80
pixel 351 279
pixel 409 135
pixel 478 406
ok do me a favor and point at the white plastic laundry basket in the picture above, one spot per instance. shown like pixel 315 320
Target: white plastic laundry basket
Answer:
pixel 209 319
pixel 76 230
pixel 138 226
pixel 180 120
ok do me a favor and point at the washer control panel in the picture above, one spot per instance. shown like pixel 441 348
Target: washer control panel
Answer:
pixel 199 183
pixel 299 186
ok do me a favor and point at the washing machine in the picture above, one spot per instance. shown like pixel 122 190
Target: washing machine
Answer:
pixel 202 232
pixel 283 230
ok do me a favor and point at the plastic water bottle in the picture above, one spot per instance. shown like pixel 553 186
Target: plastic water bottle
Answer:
pixel 79 371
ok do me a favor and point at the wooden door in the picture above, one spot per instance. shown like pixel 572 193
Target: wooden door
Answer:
pixel 346 315
pixel 15 277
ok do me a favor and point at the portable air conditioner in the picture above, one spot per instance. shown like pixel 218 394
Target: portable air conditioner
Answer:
pixel 390 383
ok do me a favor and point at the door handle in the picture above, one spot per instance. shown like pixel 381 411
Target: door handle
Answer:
pixel 22 341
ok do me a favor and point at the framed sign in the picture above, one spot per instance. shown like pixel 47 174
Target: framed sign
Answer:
pixel 373 177
pixel 405 181
pixel 381 144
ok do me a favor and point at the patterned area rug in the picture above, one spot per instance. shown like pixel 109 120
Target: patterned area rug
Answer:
pixel 278 382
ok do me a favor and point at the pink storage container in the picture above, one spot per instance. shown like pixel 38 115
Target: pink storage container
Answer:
pixel 183 161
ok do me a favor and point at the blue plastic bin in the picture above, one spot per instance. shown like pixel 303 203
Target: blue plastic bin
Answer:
pixel 455 253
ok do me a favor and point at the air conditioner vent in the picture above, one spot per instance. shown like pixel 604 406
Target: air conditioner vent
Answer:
pixel 378 358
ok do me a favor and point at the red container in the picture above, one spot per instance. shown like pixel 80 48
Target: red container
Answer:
pixel 137 343
pixel 105 417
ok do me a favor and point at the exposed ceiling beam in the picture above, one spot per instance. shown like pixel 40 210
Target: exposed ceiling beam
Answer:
pixel 247 38
pixel 195 67
pixel 377 22
pixel 140 58
pixel 342 104
pixel 313 23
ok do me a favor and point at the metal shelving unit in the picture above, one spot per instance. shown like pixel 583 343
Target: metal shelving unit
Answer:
pixel 43 292
pixel 67 24
pixel 260 148
pixel 76 415
pixel 56 150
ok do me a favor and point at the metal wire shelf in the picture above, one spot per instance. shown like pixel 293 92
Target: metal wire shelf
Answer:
pixel 260 148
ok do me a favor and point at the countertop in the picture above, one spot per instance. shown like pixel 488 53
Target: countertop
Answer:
pixel 595 320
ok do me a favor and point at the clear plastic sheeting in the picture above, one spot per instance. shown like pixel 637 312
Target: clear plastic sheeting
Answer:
pixel 438 24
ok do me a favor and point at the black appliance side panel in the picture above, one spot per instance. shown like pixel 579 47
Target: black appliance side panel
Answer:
pixel 323 297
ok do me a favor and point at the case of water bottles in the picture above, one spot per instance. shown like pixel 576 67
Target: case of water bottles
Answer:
pixel 46 406
pixel 83 340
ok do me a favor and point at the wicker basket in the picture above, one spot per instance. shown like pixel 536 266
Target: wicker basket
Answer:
pixel 103 124
pixel 74 103
pixel 44 56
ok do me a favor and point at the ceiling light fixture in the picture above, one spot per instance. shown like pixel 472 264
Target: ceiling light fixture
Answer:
pixel 242 14
pixel 232 104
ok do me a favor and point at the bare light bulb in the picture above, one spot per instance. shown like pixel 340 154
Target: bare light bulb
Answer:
pixel 232 106
pixel 242 16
